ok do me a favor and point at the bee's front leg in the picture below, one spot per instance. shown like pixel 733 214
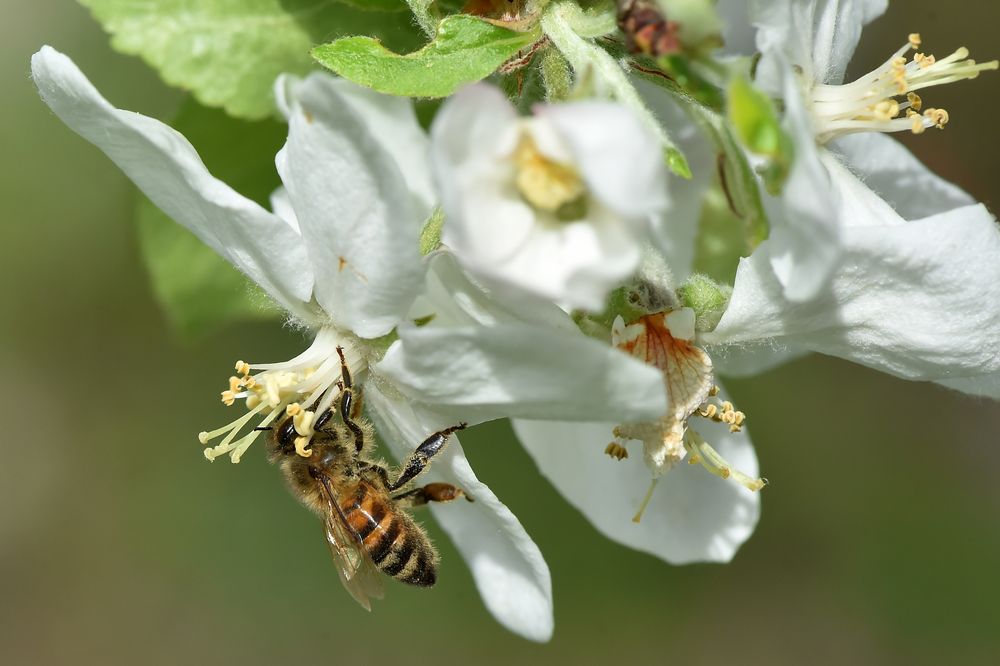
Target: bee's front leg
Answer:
pixel 432 492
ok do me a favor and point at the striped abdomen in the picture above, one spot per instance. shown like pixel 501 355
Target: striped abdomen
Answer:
pixel 390 537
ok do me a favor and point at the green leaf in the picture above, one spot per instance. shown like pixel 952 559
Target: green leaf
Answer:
pixel 199 290
pixel 465 50
pixel 229 52
pixel 426 14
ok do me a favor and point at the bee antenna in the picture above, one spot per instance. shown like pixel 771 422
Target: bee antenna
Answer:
pixel 263 428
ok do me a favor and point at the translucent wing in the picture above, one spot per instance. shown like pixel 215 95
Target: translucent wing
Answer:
pixel 357 572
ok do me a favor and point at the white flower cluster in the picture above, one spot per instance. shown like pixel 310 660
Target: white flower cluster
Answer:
pixel 559 295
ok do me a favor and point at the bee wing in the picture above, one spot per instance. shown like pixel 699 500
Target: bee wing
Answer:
pixel 357 572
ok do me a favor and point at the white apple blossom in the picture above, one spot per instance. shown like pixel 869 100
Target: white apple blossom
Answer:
pixel 558 204
pixel 805 46
pixel 340 254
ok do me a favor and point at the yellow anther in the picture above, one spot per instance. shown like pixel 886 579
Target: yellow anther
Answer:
pixel 249 382
pixel 293 409
pixel 616 451
pixel 924 61
pixel 725 472
pixel 710 411
pixel 300 447
pixel 694 460
pixel 243 367
pixel 914 100
pixel 727 406
pixel 914 39
pixel 714 391
pixel 303 422
pixel 886 109
pixel 235 384
pixel 937 116
pixel 740 417
pixel 204 436
pixel 228 397
pixel 735 428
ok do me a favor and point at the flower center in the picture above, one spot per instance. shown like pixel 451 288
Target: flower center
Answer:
pixel 665 341
pixel 301 388
pixel 546 184
pixel 885 99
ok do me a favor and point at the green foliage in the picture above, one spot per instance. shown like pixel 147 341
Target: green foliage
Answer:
pixel 229 52
pixel 426 14
pixel 465 50
pixel 753 116
pixel 199 290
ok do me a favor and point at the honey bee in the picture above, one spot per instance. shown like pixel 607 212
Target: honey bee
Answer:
pixel 368 528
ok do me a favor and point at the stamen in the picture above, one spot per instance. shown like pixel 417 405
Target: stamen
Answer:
pixel 645 500
pixel 617 451
pixel 869 104
pixel 711 460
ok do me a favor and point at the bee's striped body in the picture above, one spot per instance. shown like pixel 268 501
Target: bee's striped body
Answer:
pixel 390 537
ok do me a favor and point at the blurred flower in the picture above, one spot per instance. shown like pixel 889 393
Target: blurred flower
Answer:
pixel 347 266
pixel 557 204
pixel 805 47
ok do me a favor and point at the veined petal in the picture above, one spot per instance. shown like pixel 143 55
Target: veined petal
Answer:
pixel 479 373
pixel 887 167
pixel 693 516
pixel 508 568
pixel 165 166
pixel 356 213
pixel 919 300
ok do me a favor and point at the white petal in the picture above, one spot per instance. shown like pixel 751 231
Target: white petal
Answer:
pixel 803 246
pixel 281 205
pixel 357 215
pixel 618 156
pixel 738 34
pixel 750 360
pixel 455 300
pixel 986 386
pixel 888 168
pixel 168 170
pixel 676 228
pixel 819 36
pixel 505 241
pixel 393 123
pixel 693 516
pixel 508 568
pixel 478 373
pixel 919 300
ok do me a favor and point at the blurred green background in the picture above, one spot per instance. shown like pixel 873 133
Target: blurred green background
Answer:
pixel 119 544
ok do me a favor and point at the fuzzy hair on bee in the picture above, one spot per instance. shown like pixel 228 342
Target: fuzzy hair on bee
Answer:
pixel 363 504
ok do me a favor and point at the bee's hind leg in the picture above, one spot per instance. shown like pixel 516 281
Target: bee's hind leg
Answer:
pixel 432 492
pixel 418 460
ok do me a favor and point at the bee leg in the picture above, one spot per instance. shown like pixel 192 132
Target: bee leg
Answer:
pixel 418 460
pixel 432 492
pixel 346 402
